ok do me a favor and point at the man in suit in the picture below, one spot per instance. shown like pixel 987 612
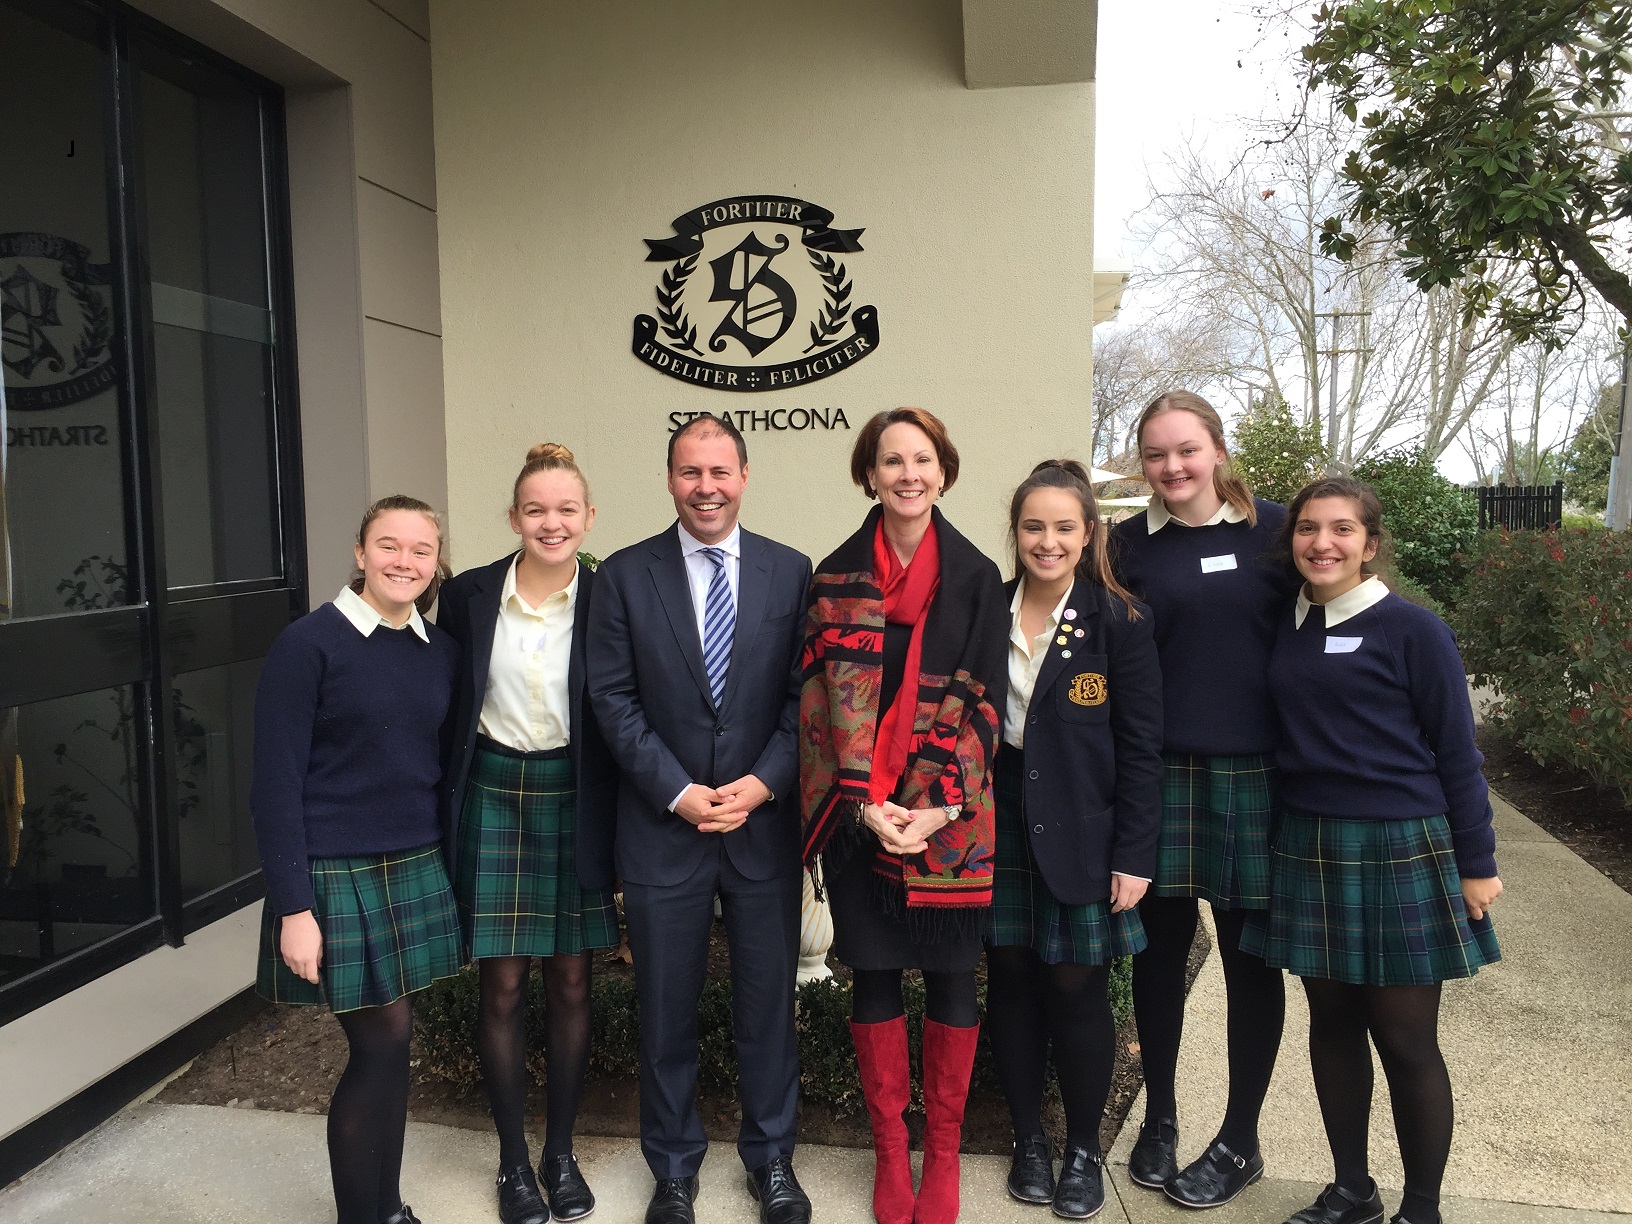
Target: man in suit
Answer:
pixel 693 673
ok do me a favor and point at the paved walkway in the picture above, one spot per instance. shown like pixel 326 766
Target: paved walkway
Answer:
pixel 1540 1050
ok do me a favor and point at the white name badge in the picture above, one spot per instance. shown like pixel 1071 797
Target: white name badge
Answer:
pixel 1212 565
pixel 1337 645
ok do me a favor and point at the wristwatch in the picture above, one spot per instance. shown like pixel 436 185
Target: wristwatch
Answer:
pixel 952 812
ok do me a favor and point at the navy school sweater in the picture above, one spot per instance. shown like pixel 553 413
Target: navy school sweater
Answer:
pixel 347 746
pixel 1376 724
pixel 1215 594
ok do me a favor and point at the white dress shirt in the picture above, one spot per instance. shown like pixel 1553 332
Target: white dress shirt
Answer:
pixel 365 619
pixel 1349 604
pixel 526 705
pixel 1025 661
pixel 1157 516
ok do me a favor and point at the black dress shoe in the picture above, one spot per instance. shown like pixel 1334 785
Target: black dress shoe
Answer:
pixel 519 1200
pixel 1081 1189
pixel 402 1215
pixel 570 1197
pixel 671 1201
pixel 778 1193
pixel 1214 1178
pixel 1154 1161
pixel 1031 1170
pixel 1337 1206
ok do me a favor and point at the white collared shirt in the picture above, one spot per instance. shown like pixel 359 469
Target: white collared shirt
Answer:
pixel 1158 516
pixel 365 619
pixel 1349 604
pixel 1025 661
pixel 700 571
pixel 526 705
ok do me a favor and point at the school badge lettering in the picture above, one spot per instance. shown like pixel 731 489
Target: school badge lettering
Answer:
pixel 1088 689
pixel 56 322
pixel 756 297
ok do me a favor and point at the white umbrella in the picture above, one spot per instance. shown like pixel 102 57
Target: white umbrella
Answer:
pixel 1126 501
pixel 1100 476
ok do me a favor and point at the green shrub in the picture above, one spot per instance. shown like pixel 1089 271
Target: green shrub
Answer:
pixel 1274 454
pixel 1431 522
pixel 1546 620
pixel 1408 590
pixel 445 1027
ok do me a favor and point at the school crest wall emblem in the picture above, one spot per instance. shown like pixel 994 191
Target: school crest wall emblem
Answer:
pixel 757 297
pixel 56 322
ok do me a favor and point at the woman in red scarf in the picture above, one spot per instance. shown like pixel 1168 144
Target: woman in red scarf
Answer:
pixel 904 676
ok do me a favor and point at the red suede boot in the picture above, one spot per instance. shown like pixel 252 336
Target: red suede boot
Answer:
pixel 881 1055
pixel 949 1060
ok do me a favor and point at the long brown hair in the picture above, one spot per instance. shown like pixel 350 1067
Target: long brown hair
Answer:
pixel 1365 500
pixel 1226 483
pixel 1095 565
pixel 444 570
pixel 548 457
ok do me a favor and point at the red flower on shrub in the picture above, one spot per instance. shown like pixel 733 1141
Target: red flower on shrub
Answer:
pixel 1577 716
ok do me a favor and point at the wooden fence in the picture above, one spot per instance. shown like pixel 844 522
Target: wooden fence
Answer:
pixel 1520 507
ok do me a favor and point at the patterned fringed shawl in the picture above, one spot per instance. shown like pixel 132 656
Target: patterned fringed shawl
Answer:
pixel 961 685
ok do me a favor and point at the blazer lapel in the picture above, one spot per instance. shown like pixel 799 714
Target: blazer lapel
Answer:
pixel 753 585
pixel 674 590
pixel 1080 601
pixel 575 657
pixel 482 611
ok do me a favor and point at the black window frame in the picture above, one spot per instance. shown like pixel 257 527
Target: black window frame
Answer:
pixel 164 632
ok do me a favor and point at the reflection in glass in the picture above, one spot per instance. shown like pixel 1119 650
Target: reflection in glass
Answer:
pixel 76 868
pixel 215 711
pixel 62 478
pixel 199 139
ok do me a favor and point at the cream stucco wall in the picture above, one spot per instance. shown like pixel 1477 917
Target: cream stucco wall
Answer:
pixel 567 132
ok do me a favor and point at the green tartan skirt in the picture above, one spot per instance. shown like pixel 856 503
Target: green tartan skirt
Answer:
pixel 1217 813
pixel 1368 902
pixel 389 929
pixel 1025 912
pixel 516 873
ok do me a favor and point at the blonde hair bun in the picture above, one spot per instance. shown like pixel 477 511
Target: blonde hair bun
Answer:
pixel 549 450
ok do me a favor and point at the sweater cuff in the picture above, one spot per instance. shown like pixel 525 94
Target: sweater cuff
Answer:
pixel 290 892
pixel 1475 850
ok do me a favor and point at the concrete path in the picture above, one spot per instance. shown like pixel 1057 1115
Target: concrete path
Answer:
pixel 1540 1049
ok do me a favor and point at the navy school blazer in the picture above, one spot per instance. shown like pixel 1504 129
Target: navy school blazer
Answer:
pixel 468 609
pixel 1093 758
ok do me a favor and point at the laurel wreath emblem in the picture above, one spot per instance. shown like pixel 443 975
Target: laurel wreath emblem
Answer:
pixel 677 326
pixel 837 308
pixel 98 330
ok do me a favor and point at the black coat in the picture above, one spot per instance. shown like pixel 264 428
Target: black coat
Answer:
pixel 1093 757
pixel 651 693
pixel 468 609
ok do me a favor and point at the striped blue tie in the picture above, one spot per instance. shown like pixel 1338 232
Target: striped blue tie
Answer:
pixel 719 623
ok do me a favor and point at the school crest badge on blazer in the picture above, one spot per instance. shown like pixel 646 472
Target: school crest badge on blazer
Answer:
pixel 1087 689
pixel 756 297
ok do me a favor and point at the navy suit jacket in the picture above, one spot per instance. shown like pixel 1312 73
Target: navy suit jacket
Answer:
pixel 651 693
pixel 468 609
pixel 1093 784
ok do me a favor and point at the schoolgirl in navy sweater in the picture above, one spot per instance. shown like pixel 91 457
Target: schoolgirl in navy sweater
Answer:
pixel 349 717
pixel 1201 557
pixel 1384 863
pixel 1079 785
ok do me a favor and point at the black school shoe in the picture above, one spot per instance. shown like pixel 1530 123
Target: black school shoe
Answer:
pixel 1154 1159
pixel 671 1201
pixel 1337 1206
pixel 1080 1192
pixel 1031 1170
pixel 402 1215
pixel 570 1198
pixel 519 1200
pixel 1216 1177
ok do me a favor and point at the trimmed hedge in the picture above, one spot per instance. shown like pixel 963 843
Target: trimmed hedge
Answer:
pixel 445 1024
pixel 1546 619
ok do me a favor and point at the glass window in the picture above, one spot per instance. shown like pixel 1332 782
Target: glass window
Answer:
pixel 76 866
pixel 215 711
pixel 199 138
pixel 62 470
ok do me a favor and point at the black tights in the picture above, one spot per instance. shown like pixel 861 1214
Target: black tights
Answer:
pixel 1030 1006
pixel 949 998
pixel 1403 1023
pixel 501 1045
pixel 369 1113
pixel 1256 1012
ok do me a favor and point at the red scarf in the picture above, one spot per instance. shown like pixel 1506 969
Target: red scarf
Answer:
pixel 908 591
